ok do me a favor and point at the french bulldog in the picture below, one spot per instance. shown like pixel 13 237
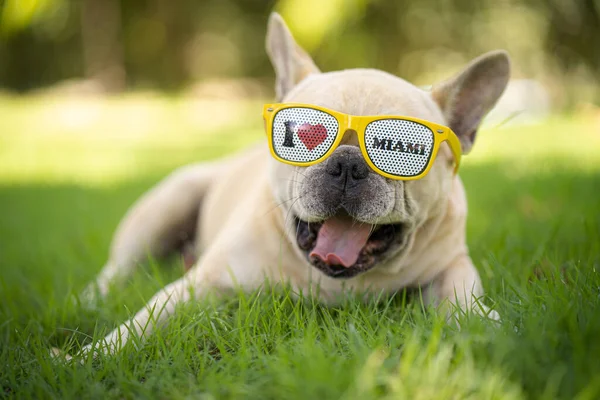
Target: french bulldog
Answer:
pixel 326 229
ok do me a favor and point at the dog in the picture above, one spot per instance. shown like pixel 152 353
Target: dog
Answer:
pixel 252 218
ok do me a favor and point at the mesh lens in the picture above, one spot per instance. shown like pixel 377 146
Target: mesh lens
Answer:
pixel 303 135
pixel 399 147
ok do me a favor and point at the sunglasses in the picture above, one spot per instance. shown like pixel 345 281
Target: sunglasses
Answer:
pixel 396 147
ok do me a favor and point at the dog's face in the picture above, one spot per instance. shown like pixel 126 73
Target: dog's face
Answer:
pixel 342 216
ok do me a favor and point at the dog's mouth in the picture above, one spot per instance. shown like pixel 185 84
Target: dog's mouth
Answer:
pixel 342 247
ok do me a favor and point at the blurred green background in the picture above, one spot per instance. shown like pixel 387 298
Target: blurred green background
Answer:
pixel 92 90
pixel 113 45
pixel 101 99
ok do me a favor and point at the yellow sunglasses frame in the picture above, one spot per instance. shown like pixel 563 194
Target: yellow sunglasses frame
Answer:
pixel 359 125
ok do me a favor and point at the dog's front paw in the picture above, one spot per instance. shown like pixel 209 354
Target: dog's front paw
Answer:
pixel 455 314
pixel 484 311
pixel 456 310
pixel 454 305
pixel 60 357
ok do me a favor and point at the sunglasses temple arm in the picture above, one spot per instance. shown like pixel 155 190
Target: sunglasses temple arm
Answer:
pixel 456 149
pixel 268 110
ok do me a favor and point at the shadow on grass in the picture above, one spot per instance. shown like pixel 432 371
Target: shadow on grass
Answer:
pixel 535 239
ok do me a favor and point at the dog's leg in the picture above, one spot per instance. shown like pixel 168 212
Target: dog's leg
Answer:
pixel 460 286
pixel 159 222
pixel 214 273
pixel 155 312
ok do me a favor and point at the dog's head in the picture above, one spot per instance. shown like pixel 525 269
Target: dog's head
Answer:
pixel 343 217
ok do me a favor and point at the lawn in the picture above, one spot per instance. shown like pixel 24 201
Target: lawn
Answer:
pixel 69 169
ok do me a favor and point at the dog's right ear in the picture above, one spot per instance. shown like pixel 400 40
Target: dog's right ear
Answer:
pixel 291 62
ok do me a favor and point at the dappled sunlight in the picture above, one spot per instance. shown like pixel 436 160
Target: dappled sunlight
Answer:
pixel 312 28
pixel 101 99
pixel 561 142
pixel 98 140
pixel 76 114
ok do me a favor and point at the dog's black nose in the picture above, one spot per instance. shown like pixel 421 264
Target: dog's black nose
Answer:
pixel 346 167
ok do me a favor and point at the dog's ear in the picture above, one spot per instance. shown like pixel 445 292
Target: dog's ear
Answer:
pixel 466 98
pixel 291 62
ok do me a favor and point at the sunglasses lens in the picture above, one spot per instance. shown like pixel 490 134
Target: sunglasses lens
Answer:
pixel 303 135
pixel 399 147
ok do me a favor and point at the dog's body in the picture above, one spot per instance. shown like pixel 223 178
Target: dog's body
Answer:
pixel 250 216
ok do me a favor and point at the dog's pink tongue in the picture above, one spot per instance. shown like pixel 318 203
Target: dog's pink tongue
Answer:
pixel 340 241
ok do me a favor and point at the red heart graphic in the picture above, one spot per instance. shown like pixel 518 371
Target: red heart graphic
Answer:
pixel 312 135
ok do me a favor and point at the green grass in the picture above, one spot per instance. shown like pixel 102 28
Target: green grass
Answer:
pixel 65 182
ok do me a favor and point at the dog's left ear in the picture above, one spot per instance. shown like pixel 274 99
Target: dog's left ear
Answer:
pixel 291 62
pixel 470 95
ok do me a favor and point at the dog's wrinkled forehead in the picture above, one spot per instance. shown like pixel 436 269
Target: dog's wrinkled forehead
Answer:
pixel 366 92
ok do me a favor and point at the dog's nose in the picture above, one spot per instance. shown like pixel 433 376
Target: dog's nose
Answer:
pixel 347 167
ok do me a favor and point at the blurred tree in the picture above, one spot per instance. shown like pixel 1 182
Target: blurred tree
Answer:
pixel 102 43
pixel 575 34
pixel 169 44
